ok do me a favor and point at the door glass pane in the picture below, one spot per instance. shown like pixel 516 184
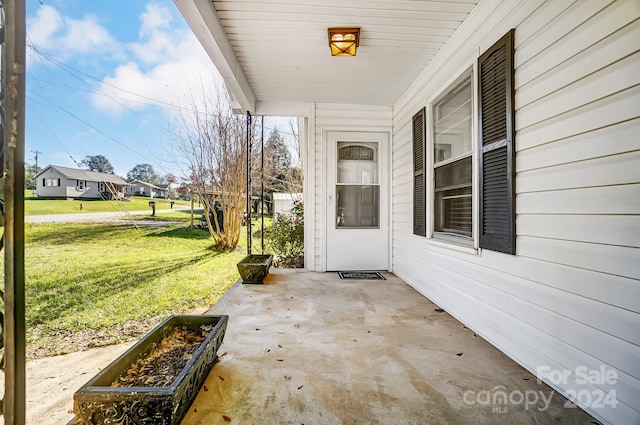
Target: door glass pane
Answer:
pixel 357 169
pixel 357 187
pixel 358 206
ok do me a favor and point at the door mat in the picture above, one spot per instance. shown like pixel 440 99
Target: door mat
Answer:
pixel 361 275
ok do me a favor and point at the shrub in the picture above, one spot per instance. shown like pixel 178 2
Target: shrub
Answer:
pixel 285 237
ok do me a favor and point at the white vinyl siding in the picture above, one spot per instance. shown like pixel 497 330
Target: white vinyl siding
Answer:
pixel 336 117
pixel 571 295
pixel 51 184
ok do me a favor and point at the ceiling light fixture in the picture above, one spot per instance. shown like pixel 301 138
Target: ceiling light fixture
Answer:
pixel 344 41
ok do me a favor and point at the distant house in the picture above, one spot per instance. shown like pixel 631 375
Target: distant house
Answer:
pixel 165 187
pixel 140 188
pixel 71 183
pixel 183 192
pixel 283 202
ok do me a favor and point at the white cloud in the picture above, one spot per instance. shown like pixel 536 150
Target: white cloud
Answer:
pixel 43 27
pixel 66 37
pixel 167 64
pixel 87 36
pixel 154 18
pixel 157 40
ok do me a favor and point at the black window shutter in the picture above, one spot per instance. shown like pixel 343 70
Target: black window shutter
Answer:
pixel 419 161
pixel 497 147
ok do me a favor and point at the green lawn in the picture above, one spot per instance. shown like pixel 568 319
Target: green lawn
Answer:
pixel 35 206
pixel 99 284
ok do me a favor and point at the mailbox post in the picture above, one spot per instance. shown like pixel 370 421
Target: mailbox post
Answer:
pixel 152 204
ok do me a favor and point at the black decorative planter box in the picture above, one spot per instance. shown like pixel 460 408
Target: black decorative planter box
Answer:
pixel 254 268
pixel 98 402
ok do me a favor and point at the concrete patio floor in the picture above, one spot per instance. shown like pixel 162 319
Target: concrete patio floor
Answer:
pixel 309 348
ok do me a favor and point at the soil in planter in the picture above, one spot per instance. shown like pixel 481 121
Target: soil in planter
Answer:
pixel 166 360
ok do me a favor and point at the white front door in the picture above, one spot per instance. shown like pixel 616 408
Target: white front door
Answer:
pixel 357 204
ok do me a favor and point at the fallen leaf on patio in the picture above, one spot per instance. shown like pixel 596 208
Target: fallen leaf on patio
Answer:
pixel 205 388
pixel 223 354
pixel 257 329
pixel 269 350
pixel 279 345
pixel 368 332
pixel 287 377
pixel 525 379
pixel 226 418
pixel 459 354
pixel 439 310
pixel 279 360
pixel 300 387
pixel 221 378
pixel 195 410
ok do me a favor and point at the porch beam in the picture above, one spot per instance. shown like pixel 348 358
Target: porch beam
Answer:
pixel 284 109
pixel 13 107
pixel 206 25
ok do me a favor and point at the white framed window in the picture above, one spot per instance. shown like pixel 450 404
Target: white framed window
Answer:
pixel 51 182
pixel 452 153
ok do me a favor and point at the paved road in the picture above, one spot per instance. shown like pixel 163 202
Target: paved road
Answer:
pixel 100 216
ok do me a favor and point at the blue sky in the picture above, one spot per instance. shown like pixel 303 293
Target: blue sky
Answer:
pixel 107 78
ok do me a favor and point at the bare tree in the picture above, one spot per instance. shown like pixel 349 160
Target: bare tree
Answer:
pixel 281 172
pixel 212 141
pixel 294 128
pixel 295 177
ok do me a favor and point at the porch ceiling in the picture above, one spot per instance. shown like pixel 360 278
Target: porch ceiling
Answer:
pixel 277 51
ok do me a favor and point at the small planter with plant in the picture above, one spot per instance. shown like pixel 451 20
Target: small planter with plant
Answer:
pixel 285 237
pixel 254 268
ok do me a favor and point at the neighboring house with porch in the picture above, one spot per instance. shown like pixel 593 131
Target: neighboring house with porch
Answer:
pixel 55 181
pixel 487 153
pixel 140 188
